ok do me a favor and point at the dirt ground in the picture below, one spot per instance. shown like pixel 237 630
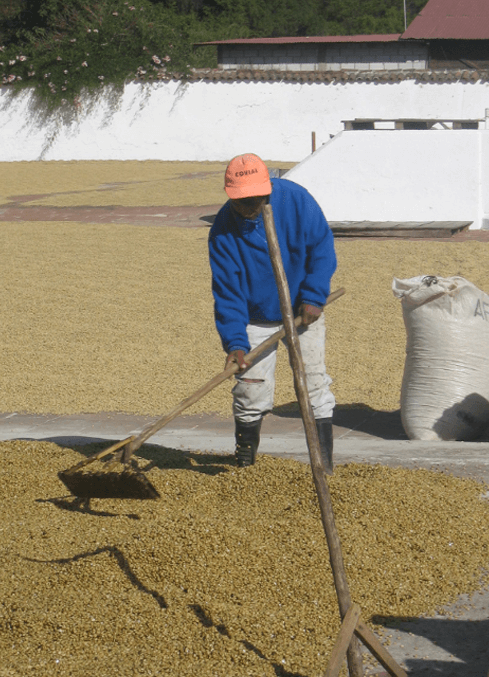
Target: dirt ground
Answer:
pixel 129 183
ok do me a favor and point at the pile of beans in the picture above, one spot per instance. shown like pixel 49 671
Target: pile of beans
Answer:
pixel 228 572
pixel 118 318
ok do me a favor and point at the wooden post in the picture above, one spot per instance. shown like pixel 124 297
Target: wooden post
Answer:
pixel 377 650
pixel 313 141
pixel 319 475
pixel 342 641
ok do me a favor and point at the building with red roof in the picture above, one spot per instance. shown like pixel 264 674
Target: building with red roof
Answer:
pixel 446 34
pixel 456 32
pixel 321 53
pixel 451 20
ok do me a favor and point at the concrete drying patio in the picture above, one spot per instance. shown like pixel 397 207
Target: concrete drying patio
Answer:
pixel 444 645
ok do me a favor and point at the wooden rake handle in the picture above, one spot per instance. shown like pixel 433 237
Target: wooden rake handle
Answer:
pixel 318 472
pixel 352 623
pixel 132 444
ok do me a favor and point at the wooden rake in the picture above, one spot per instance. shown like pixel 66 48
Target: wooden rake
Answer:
pixel 121 479
pixel 352 626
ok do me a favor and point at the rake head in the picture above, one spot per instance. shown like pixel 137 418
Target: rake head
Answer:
pixel 128 483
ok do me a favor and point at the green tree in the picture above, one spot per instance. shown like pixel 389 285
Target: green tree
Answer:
pixel 270 18
pixel 362 17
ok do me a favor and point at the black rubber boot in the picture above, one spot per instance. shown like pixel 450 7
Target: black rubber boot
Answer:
pixel 325 433
pixel 247 441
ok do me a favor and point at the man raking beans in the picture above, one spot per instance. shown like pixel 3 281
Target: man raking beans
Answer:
pixel 246 301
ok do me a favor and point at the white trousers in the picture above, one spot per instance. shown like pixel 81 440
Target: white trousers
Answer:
pixel 254 391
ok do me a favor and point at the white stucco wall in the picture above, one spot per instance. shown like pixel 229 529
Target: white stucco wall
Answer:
pixel 217 120
pixel 400 175
pixel 484 180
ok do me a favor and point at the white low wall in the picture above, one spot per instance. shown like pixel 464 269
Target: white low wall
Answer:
pixel 401 175
pixel 205 120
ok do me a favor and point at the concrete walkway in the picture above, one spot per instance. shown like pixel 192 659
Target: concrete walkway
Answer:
pixel 361 435
pixel 202 216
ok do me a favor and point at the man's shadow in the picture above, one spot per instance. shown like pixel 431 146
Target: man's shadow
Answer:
pixel 359 417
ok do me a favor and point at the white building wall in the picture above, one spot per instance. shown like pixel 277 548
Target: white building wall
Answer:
pixel 390 175
pixel 217 120
pixel 386 175
pixel 484 180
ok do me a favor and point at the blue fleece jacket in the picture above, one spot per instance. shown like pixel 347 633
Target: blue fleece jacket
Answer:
pixel 243 283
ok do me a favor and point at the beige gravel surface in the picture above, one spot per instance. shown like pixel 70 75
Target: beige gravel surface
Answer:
pixel 63 184
pixel 108 183
pixel 103 317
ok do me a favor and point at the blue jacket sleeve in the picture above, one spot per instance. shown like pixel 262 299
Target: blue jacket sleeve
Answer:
pixel 230 306
pixel 321 258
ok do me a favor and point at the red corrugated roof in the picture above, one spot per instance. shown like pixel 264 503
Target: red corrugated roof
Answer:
pixel 322 38
pixel 451 19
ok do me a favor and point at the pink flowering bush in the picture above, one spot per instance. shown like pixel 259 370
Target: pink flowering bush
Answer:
pixel 84 45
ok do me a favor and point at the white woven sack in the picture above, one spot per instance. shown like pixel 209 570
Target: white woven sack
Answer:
pixel 445 387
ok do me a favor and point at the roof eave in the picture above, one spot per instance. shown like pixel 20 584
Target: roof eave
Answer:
pixel 390 37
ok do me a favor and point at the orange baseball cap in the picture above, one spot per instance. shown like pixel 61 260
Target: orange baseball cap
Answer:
pixel 247 176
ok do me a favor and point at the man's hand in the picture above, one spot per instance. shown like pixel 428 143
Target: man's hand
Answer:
pixel 309 313
pixel 236 356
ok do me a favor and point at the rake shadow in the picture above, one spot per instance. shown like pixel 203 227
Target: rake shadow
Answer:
pixel 122 563
pixel 167 458
pixel 207 622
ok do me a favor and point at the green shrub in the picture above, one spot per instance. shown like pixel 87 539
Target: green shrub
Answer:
pixel 77 46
